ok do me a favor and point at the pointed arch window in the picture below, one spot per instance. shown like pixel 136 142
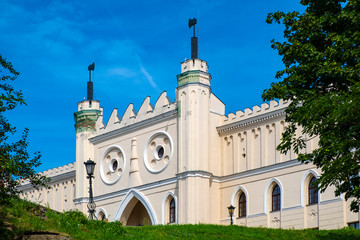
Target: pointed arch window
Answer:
pixel 101 216
pixel 313 192
pixel 276 198
pixel 172 211
pixel 242 205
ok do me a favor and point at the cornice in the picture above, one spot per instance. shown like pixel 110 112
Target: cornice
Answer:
pixel 56 178
pixel 260 170
pixel 135 126
pixel 188 174
pixel 124 191
pixel 250 121
pixel 197 173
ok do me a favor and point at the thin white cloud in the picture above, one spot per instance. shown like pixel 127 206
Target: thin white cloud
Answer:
pixel 146 73
pixel 148 76
pixel 119 71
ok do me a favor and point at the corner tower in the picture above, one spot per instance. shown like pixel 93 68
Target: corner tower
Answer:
pixel 193 96
pixel 85 125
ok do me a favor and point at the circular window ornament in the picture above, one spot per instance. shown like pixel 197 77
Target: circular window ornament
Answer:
pixel 112 164
pixel 158 152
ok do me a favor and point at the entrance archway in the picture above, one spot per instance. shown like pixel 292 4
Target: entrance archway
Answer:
pixel 138 216
pixel 135 210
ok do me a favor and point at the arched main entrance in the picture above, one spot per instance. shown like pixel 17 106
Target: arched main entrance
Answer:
pixel 138 216
pixel 135 210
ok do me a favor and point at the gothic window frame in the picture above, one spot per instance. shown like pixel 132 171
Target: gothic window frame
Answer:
pixel 172 211
pixel 101 212
pixel 313 192
pixel 166 203
pixel 276 198
pixel 242 205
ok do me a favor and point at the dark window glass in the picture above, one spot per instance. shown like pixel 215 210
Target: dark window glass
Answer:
pixel 313 192
pixel 160 152
pixel 115 165
pixel 354 225
pixel 242 205
pixel 276 202
pixel 172 211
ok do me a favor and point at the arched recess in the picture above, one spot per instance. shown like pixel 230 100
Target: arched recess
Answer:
pixel 304 185
pixel 131 199
pixel 101 212
pixel 165 206
pixel 268 192
pixel 236 195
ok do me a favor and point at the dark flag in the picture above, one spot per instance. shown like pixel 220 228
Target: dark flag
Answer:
pixel 91 67
pixel 192 22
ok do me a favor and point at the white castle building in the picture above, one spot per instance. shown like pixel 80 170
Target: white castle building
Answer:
pixel 185 162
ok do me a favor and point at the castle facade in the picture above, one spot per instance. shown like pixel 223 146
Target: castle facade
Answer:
pixel 186 162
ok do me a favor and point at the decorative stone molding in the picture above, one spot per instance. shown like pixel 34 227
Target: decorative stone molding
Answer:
pixel 257 114
pixel 312 213
pixel 158 152
pixel 112 164
pixel 56 174
pixel 249 121
pixel 85 120
pixel 195 76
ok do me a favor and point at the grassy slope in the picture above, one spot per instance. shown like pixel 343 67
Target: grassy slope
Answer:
pixel 20 216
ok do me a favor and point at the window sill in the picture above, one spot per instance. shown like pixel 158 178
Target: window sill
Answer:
pixel 241 217
pixel 275 211
pixel 311 204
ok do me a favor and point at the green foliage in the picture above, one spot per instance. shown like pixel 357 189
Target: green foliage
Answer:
pixel 322 80
pixel 15 161
pixel 20 216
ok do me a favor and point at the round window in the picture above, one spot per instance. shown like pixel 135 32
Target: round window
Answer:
pixel 115 165
pixel 112 164
pixel 159 152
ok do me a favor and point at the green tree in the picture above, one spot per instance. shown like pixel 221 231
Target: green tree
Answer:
pixel 321 78
pixel 15 162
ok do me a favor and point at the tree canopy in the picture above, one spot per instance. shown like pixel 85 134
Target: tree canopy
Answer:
pixel 15 162
pixel 321 79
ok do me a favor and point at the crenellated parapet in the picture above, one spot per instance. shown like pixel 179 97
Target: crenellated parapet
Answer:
pixel 146 111
pixel 194 71
pixel 56 174
pixel 59 170
pixel 250 116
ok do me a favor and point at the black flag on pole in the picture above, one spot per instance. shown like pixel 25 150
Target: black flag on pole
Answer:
pixel 91 67
pixel 192 22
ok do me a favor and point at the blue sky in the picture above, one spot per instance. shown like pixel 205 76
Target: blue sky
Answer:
pixel 137 47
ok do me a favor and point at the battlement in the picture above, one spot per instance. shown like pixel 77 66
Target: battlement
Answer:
pixel 194 64
pixel 53 173
pixel 255 111
pixel 131 116
pixel 87 105
pixel 59 170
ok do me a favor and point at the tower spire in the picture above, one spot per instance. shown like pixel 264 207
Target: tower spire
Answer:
pixel 194 40
pixel 90 84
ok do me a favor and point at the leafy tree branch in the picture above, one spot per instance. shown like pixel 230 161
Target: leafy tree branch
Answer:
pixel 321 78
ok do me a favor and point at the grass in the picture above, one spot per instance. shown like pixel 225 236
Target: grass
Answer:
pixel 18 216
